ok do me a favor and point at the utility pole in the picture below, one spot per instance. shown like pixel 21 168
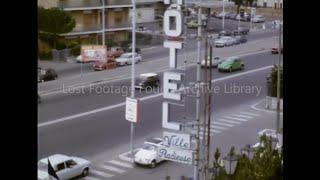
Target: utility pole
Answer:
pixel 278 83
pixel 198 79
pixel 223 13
pixel 103 23
pixel 132 69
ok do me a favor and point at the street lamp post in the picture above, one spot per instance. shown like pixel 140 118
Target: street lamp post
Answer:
pixel 132 68
pixel 223 14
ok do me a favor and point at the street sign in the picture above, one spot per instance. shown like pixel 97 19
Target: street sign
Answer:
pixel 176 140
pixel 177 155
pixel 132 109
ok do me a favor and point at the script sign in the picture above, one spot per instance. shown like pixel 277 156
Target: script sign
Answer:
pixel 176 140
pixel 177 155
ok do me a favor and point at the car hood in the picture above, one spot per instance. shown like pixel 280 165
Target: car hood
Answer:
pixel 220 41
pixel 146 154
pixel 121 59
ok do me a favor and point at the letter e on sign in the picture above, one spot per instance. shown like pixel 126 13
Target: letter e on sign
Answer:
pixel 169 86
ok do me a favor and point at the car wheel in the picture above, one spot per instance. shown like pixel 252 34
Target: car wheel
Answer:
pixel 153 164
pixel 85 172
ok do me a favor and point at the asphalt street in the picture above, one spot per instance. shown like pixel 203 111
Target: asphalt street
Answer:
pixel 95 133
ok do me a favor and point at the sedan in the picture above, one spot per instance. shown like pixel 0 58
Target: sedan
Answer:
pixel 231 64
pixel 225 41
pixel 148 154
pixel 46 74
pixel 240 39
pixel 215 61
pixel 126 58
pixel 258 19
pixel 147 80
pixel 275 50
pixel 65 167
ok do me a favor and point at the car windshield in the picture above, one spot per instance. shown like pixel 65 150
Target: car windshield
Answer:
pixel 42 166
pixel 148 147
pixel 126 55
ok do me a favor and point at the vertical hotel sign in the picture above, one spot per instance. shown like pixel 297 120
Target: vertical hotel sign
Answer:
pixel 176 146
pixel 172 80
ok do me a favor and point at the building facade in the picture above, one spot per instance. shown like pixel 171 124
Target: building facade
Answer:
pixel 270 3
pixel 149 10
pixel 88 15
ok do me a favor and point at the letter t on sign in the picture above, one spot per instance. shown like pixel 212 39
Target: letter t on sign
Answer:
pixel 173 46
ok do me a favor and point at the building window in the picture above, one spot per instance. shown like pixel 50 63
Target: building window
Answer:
pixel 264 4
pixel 281 5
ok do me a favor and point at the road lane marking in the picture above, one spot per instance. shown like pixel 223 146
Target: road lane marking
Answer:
pixel 91 178
pixel 51 122
pixel 123 164
pixel 123 77
pixel 111 168
pixel 247 113
pixel 223 124
pixel 101 173
pixel 234 118
pixel 264 110
pixel 229 121
pixel 242 116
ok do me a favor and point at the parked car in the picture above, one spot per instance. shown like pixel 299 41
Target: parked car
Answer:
pixel 115 52
pixel 220 15
pixel 215 61
pixel 241 31
pixel 126 58
pixel 225 41
pixel 275 50
pixel 148 154
pixel 66 167
pixel 192 24
pixel 258 19
pixel 147 80
pixel 225 33
pixel 240 39
pixel 46 74
pixel 231 64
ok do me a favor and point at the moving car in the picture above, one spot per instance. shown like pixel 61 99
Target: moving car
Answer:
pixel 147 80
pixel 148 154
pixel 125 59
pixel 275 50
pixel 192 24
pixel 258 19
pixel 240 39
pixel 215 61
pixel 225 41
pixel 66 167
pixel 231 64
pixel 102 65
pixel 46 74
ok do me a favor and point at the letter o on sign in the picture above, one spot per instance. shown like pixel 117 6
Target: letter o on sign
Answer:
pixel 178 18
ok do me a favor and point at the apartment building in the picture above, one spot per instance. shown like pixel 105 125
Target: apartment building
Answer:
pixel 270 3
pixel 88 15
pixel 149 10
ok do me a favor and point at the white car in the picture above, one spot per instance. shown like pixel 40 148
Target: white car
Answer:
pixel 258 19
pixel 269 133
pixel 126 58
pixel 66 167
pixel 148 154
pixel 215 61
pixel 225 41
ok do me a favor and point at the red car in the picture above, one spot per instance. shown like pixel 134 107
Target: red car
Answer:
pixel 275 50
pixel 101 65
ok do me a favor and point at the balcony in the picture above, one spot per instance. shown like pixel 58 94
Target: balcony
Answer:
pixel 94 29
pixel 73 5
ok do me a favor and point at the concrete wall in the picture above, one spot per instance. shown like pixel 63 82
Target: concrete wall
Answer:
pixel 145 14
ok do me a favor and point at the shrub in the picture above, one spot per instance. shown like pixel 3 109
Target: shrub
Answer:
pixel 45 55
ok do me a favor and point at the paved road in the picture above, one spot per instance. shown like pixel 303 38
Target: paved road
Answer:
pixel 95 133
pixel 71 69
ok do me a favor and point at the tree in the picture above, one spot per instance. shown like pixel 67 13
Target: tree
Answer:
pixel 54 21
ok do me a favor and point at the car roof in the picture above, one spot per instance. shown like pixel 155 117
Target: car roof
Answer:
pixel 148 74
pixel 56 159
pixel 153 140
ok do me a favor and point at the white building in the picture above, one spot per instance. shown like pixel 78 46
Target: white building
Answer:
pixel 148 10
pixel 270 3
